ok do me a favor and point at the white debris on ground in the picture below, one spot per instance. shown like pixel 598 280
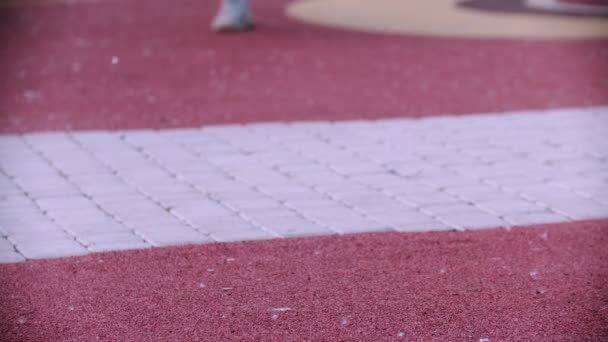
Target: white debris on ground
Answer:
pixel 535 275
pixel 277 311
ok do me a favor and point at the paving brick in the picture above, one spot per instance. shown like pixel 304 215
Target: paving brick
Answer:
pixel 15 224
pixel 278 156
pixel 369 200
pixel 15 201
pixel 260 202
pixel 581 209
pixel 346 188
pixel 421 226
pixel 172 199
pixel 10 257
pixel 40 237
pixel 31 169
pixel 199 211
pixel 122 196
pixel 76 203
pixel 212 149
pixel 479 193
pixel 319 178
pixel 409 188
pixel 578 183
pixel 166 190
pixel 342 220
pixel 472 220
pixel 352 168
pixel 511 180
pixel 302 178
pixel 161 235
pixel 511 207
pixel 95 140
pixel 144 138
pixel 51 249
pixel 137 220
pixel 118 246
pixel 168 151
pixel 290 225
pixel 431 198
pixel 10 189
pixel 312 203
pixel 141 206
pixel 103 225
pixel 381 181
pixel 303 167
pixel 194 172
pixel 82 216
pixel 6 245
pixel 443 181
pixel 290 191
pixel 382 209
pixel 105 237
pixel 535 218
pixel 222 183
pixel 451 208
pixel 50 141
pixel 55 186
pixel 232 228
pixel 20 212
pixel 75 165
pixel 401 218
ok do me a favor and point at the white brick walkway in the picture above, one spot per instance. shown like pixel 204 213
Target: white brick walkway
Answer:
pixel 74 193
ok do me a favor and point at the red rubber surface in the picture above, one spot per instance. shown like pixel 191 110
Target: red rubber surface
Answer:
pixel 56 69
pixel 363 287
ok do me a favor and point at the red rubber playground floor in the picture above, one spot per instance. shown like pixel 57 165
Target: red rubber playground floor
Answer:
pixel 543 283
pixel 131 64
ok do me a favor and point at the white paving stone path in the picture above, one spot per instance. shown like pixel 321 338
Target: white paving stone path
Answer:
pixel 74 193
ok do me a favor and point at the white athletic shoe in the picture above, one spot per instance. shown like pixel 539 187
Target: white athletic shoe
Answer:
pixel 234 15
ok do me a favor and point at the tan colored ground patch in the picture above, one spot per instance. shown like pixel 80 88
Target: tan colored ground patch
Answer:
pixel 442 18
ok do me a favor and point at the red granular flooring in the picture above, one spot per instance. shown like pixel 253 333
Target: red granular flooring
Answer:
pixel 171 71
pixel 542 283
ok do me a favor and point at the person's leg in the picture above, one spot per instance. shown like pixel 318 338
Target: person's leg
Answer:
pixel 233 15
